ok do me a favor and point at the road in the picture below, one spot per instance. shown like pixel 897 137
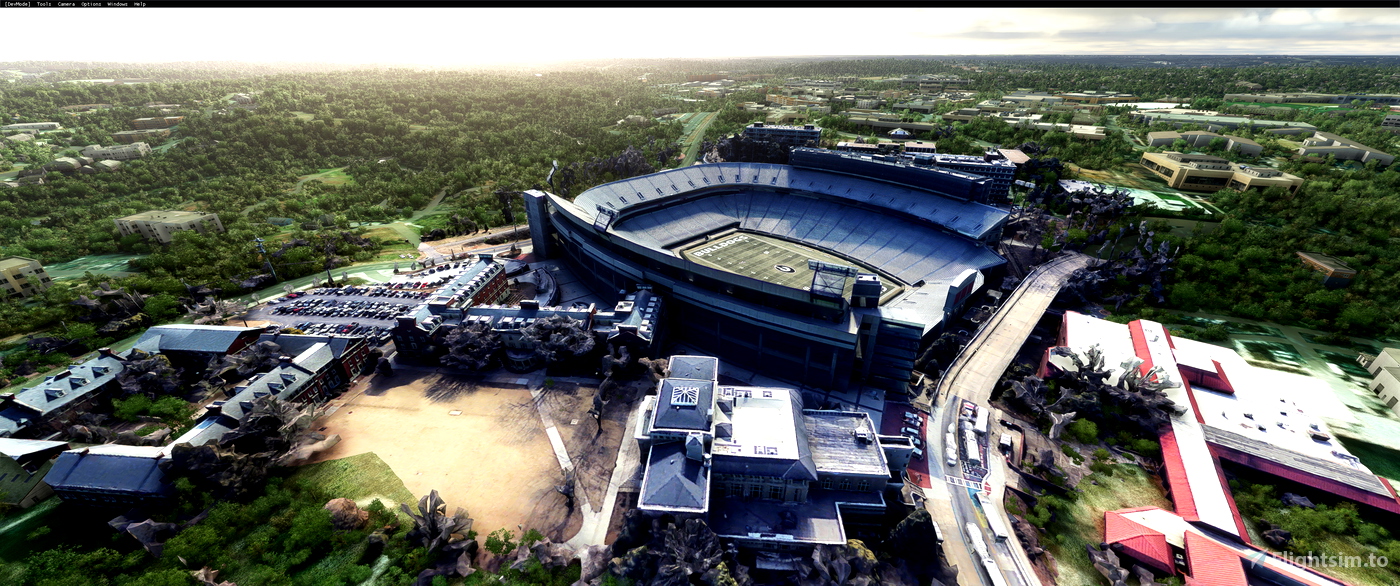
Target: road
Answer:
pixel 696 139
pixel 972 376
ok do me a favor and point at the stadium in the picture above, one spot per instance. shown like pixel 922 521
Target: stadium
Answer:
pixel 831 271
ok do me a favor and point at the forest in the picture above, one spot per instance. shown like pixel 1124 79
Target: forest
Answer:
pixel 401 137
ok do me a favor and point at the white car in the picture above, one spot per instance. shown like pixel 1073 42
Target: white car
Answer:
pixel 918 453
pixel 909 431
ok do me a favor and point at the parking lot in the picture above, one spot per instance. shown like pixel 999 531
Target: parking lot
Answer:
pixel 349 311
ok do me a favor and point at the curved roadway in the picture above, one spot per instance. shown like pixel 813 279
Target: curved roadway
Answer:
pixel 972 377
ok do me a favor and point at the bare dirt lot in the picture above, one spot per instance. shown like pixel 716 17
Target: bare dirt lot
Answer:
pixel 482 447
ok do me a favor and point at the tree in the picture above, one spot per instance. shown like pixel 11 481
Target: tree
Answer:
pixel 1083 431
pixel 148 374
pixel 163 307
pixel 558 338
pixel 472 346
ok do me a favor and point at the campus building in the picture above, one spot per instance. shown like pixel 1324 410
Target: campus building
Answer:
pixel 22 277
pixel 763 259
pixel 1168 544
pixel 1312 98
pixel 44 407
pixel 1325 143
pixel 475 297
pixel 1210 173
pixel 1202 139
pixel 23 464
pixel 764 472
pixel 311 369
pixel 133 136
pixel 155 122
pixel 1391 123
pixel 1335 273
pixel 1232 412
pixel 161 225
pixel 33 126
pixel 126 152
pixel 786 135
pixel 1385 373
pixel 1216 123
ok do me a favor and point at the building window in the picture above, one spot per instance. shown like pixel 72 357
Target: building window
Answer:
pixel 1392 401
pixel 1380 389
pixel 775 492
pixel 827 483
pixel 733 490
pixel 845 484
pixel 863 485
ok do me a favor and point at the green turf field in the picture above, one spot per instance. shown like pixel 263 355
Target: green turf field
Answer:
pixel 767 259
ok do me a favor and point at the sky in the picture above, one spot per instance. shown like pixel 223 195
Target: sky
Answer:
pixel 446 37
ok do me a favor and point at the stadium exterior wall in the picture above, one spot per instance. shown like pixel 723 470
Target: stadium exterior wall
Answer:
pixel 744 334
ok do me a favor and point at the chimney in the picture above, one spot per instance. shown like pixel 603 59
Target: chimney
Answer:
pixel 284 359
pixel 107 352
pixel 6 400
pixel 529 304
pixel 215 408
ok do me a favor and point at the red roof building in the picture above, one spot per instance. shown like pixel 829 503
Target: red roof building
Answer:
pixel 1142 543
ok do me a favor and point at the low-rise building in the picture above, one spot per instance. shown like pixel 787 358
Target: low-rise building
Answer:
pixel 1335 273
pixel 131 136
pixel 126 152
pixel 1391 123
pixel 195 345
pixel 161 225
pixel 1210 173
pixel 33 126
pixel 1200 139
pixel 42 408
pixel 1325 143
pixel 786 135
pixel 23 465
pixel 1097 97
pixel 765 472
pixel 1216 123
pixel 22 277
pixel 1385 377
pixel 155 122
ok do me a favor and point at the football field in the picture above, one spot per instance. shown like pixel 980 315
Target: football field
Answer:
pixel 768 259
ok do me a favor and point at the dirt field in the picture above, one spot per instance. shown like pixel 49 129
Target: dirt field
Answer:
pixel 594 452
pixel 481 447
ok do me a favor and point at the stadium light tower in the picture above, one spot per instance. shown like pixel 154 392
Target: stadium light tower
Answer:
pixel 266 259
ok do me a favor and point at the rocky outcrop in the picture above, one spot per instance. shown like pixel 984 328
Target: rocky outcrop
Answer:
pixel 345 514
pixel 593 562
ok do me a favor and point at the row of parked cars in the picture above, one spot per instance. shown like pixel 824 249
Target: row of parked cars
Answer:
pixel 321 307
pixel 368 292
pixel 433 277
pixel 913 429
pixel 377 335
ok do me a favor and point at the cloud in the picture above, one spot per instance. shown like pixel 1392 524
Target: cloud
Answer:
pixel 462 36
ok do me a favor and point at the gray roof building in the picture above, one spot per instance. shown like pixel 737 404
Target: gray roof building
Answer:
pixel 57 392
pixel 684 404
pixel 110 475
pixel 196 338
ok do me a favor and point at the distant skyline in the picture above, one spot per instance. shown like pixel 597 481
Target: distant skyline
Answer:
pixel 451 37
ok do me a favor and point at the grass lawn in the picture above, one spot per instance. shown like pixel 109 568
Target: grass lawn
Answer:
pixel 362 478
pixel 303 116
pixel 1130 486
